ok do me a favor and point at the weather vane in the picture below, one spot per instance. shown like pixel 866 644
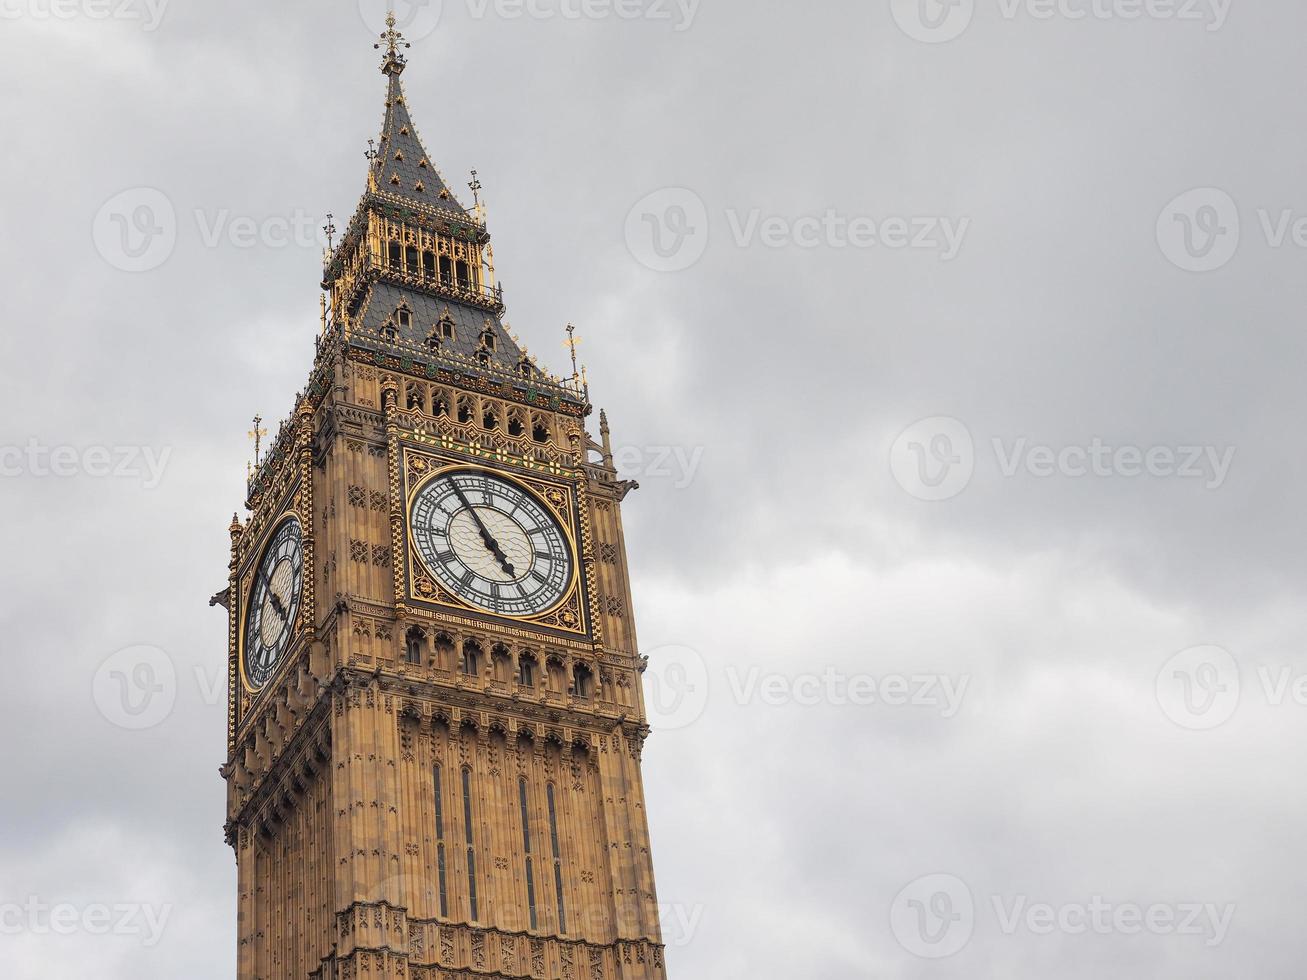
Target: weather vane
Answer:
pixel 475 185
pixel 330 229
pixel 257 434
pixel 572 341
pixel 372 152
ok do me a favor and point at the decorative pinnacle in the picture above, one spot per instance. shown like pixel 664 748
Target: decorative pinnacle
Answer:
pixel 572 341
pixel 257 434
pixel 394 40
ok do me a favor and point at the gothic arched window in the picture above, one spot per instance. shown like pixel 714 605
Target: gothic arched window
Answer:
pixel 414 641
pixel 471 658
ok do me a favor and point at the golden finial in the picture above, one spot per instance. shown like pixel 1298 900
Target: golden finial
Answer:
pixel 394 40
pixel 257 434
pixel 571 342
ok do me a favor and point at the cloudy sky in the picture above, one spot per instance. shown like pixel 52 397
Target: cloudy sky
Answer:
pixel 956 347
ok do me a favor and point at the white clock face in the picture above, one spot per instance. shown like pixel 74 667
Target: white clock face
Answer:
pixel 491 543
pixel 274 605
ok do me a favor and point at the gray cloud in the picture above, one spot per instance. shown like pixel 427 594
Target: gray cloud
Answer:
pixel 787 373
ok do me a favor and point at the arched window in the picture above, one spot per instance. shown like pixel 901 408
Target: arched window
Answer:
pixel 441 863
pixel 471 843
pixel 554 675
pixel 464 273
pixel 429 265
pixel 411 260
pixel 446 269
pixel 526 671
pixel 584 682
pixel 515 427
pixel 414 641
pixel 440 406
pixel 444 651
pixel 472 658
pixel 558 861
pixel 394 255
pixel 416 396
pixel 465 410
pixel 490 421
pixel 502 662
pixel 539 432
pixel 446 327
pixel 526 848
pixel 405 317
pixel 388 331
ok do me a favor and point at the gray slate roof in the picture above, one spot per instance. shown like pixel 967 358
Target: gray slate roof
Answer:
pixel 399 138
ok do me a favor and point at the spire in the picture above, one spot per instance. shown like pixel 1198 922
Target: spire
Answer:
pixel 401 166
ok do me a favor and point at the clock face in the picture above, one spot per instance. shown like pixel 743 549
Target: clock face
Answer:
pixel 492 543
pixel 274 605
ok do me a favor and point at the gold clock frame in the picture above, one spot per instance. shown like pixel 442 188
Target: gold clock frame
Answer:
pixel 571 614
pixel 247 590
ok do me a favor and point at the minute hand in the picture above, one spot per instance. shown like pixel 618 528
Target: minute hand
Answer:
pixel 491 544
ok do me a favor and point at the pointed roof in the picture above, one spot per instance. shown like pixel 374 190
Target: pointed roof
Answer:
pixel 402 167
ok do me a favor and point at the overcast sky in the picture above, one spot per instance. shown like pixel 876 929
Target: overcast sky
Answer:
pixel 957 349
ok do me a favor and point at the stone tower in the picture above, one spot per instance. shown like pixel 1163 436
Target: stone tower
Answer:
pixel 435 721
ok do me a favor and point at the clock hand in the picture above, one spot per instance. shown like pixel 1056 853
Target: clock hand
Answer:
pixel 486 537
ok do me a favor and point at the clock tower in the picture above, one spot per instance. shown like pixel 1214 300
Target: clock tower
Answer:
pixel 435 718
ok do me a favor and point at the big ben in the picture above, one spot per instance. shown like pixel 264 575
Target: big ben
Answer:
pixel 435 718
